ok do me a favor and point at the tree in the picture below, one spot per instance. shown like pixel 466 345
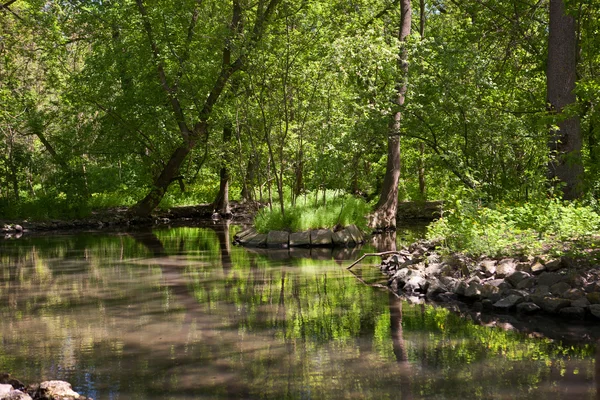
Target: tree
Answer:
pixel 565 166
pixel 384 216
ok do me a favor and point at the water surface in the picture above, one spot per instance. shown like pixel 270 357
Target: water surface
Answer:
pixel 181 314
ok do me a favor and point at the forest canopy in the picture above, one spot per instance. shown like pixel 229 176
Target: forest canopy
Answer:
pixel 157 103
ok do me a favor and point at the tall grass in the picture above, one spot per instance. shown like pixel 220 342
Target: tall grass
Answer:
pixel 305 215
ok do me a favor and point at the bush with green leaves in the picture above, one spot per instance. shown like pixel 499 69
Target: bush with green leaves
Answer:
pixel 529 228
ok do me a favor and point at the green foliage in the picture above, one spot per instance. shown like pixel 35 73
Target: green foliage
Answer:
pixel 528 228
pixel 342 211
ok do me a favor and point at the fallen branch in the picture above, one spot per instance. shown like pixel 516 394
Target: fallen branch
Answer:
pixel 385 253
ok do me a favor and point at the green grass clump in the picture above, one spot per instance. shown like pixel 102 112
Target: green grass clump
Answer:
pixel 339 211
pixel 530 228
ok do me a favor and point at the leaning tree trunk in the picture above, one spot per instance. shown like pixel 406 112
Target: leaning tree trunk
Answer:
pixel 384 217
pixel 565 167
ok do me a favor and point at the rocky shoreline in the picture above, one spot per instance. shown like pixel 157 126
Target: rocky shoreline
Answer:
pixel 563 286
pixel 13 389
pixel 349 236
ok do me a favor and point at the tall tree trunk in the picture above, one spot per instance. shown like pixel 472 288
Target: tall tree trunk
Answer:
pixel 221 203
pixel 421 161
pixel 565 167
pixel 384 217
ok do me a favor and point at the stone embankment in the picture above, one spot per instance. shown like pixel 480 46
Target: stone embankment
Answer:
pixel 349 236
pixel 563 286
pixel 13 389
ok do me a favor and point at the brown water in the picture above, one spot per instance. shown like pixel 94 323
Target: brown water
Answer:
pixel 180 314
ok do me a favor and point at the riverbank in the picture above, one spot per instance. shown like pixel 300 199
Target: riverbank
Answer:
pixel 13 389
pixel 566 287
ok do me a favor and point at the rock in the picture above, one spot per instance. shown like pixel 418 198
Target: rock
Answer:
pixel 244 237
pixel 553 304
pixel 505 287
pixel 278 239
pixel 355 233
pixel 559 288
pixel 573 294
pixel 5 389
pixel 553 265
pixel 343 238
pixel 537 268
pixel 300 239
pixel 487 304
pixel 550 278
pixel 416 283
pixel 461 288
pixel 516 277
pixel 527 283
pixel 595 310
pixel 581 302
pixel 15 383
pixel 18 228
pixel 527 308
pixel 572 312
pixel 508 303
pixel 490 292
pixel 435 288
pixel 473 291
pixel 260 240
pixel 495 282
pixel 16 395
pixel 568 262
pixel 450 283
pixel 524 267
pixel 505 268
pixel 593 298
pixel 321 238
pixel 488 267
pixel 56 390
pixel 433 269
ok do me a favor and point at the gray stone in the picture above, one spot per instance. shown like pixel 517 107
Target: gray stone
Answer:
pixel 595 310
pixel 433 269
pixel 572 312
pixel 343 238
pixel 15 395
pixel 490 292
pixel 537 268
pixel 495 282
pixel 278 239
pixel 542 290
pixel 450 283
pixel 593 297
pixel 4 389
pixel 527 283
pixel 56 390
pixel 516 277
pixel 553 304
pixel 488 267
pixel 244 237
pixel 523 293
pixel 435 288
pixel 260 240
pixel 416 283
pixel 524 266
pixel 461 288
pixel 558 289
pixel 508 303
pixel 473 291
pixel 505 287
pixel 553 265
pixel 505 268
pixel 573 294
pixel 528 308
pixel 18 228
pixel 550 278
pixel 355 233
pixel 487 304
pixel 321 238
pixel 581 302
pixel 300 239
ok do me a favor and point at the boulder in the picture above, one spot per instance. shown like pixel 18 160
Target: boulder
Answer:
pixel 461 288
pixel 558 289
pixel 524 266
pixel 537 268
pixel 473 291
pixel 300 239
pixel 355 233
pixel 260 240
pixel 550 278
pixel 416 283
pixel 553 304
pixel 581 302
pixel 278 239
pixel 508 303
pixel 435 288
pixel 16 395
pixel 5 389
pixel 593 298
pixel 516 277
pixel 527 283
pixel 573 294
pixel 595 310
pixel 505 268
pixel 488 267
pixel 56 390
pixel 553 265
pixel 321 238
pixel 244 237
pixel 343 238
pixel 490 292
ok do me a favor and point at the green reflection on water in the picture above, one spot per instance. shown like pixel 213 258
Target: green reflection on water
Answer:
pixel 182 314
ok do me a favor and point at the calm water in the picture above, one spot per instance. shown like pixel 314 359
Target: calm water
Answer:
pixel 179 314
